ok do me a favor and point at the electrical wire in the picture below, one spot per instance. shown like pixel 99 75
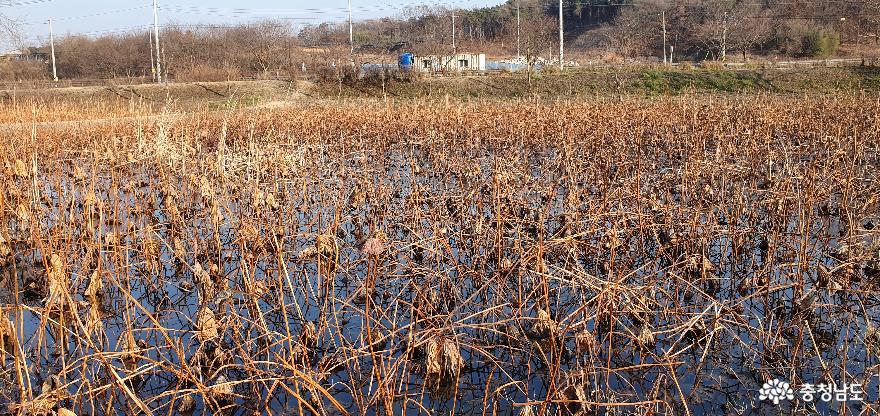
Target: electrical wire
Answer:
pixel 10 3
pixel 307 14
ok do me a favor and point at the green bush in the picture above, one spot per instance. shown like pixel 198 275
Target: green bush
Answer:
pixel 820 44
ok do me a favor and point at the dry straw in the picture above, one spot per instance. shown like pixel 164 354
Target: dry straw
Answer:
pixel 532 257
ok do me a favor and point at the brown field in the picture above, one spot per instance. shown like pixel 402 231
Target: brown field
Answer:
pixel 617 255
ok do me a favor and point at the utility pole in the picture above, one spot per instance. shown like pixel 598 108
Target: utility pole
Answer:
pixel 156 33
pixel 453 32
pixel 350 34
pixel 663 18
pixel 724 39
pixel 517 29
pixel 52 47
pixel 561 40
pixel 152 57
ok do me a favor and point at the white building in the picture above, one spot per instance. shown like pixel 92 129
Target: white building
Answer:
pixel 462 62
pixel 25 55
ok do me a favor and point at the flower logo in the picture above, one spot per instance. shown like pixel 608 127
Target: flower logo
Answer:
pixel 776 390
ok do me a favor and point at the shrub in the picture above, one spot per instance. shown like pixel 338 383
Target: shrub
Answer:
pixel 344 73
pixel 23 71
pixel 819 43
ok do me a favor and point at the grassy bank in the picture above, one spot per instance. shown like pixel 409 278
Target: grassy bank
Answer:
pixel 642 81
pixel 629 81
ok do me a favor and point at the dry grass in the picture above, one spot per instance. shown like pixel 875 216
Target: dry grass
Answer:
pixel 30 110
pixel 652 256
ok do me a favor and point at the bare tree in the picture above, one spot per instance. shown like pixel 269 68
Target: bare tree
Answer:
pixel 10 29
pixel 538 32
pixel 635 31
pixel 700 29
pixel 753 25
pixel 859 23
pixel 268 47
pixel 726 25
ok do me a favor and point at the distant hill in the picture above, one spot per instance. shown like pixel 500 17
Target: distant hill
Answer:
pixel 578 15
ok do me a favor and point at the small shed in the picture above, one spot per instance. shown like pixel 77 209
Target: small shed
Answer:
pixel 25 55
pixel 461 62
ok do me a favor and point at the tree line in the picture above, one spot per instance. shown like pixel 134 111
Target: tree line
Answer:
pixel 612 29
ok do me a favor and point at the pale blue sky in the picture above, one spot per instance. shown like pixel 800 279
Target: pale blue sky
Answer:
pixel 95 17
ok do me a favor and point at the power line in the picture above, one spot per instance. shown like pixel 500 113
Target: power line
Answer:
pixel 86 16
pixel 106 13
pixel 23 3
pixel 338 13
pixel 239 15
pixel 241 11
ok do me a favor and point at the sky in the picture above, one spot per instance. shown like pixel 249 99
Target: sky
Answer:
pixel 97 17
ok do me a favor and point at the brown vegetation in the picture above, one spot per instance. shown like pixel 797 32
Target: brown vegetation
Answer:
pixel 338 258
